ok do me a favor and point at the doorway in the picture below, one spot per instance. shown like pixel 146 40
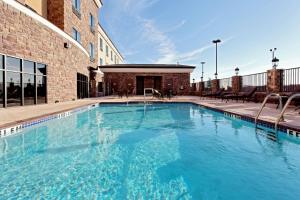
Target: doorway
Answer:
pixel 139 85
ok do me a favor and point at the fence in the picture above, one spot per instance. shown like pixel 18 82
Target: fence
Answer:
pixel 207 85
pixel 291 80
pixel 255 80
pixel 226 83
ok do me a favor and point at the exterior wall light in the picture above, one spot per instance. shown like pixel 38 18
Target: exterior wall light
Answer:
pixel 237 70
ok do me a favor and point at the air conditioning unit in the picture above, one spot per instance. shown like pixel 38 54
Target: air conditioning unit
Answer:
pixel 67 45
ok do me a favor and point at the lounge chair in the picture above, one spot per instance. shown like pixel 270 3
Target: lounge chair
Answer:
pixel 245 96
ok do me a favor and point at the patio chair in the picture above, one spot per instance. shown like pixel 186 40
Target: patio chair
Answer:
pixel 245 96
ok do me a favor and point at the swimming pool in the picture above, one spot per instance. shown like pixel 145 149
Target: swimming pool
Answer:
pixel 158 151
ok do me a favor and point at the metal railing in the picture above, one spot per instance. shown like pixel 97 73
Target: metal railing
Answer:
pixel 291 80
pixel 207 85
pixel 225 83
pixel 258 80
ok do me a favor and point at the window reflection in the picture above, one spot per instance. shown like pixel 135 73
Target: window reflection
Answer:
pixel 1 89
pixel 82 86
pixel 40 69
pixel 28 67
pixel 13 64
pixel 13 81
pixel 41 89
pixel 29 89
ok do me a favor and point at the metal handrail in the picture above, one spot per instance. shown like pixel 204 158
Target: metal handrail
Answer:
pixel 264 103
pixel 284 109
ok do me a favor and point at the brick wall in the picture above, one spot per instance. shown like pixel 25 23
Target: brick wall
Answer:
pixel 22 36
pixel 178 82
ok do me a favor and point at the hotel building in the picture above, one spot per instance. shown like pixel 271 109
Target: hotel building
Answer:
pixel 50 51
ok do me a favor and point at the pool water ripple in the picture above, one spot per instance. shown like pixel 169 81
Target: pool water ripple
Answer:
pixel 158 151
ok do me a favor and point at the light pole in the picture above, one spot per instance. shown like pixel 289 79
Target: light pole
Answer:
pixel 216 42
pixel 202 63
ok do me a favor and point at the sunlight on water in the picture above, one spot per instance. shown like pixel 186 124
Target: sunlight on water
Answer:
pixel 159 151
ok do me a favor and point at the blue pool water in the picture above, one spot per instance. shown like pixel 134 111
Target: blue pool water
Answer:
pixel 159 151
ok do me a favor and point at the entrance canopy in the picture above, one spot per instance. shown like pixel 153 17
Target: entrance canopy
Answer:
pixel 147 68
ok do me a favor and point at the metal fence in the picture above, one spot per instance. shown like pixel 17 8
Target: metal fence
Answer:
pixel 291 80
pixel 207 85
pixel 226 83
pixel 258 80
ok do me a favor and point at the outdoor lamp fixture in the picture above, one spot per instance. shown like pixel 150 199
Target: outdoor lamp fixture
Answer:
pixel 202 63
pixel 275 62
pixel 193 80
pixel 273 52
pixel 237 71
pixel 216 42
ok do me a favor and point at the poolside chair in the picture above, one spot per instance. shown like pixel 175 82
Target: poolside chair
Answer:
pixel 245 96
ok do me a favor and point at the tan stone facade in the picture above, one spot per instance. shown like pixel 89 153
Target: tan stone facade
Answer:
pixel 25 37
pixel 179 83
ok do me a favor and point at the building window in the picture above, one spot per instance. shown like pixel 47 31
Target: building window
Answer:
pixel 41 83
pixel 1 82
pixel 21 78
pixel 115 59
pixel 92 23
pixel 76 8
pixel 106 49
pixel 111 56
pixel 100 87
pixel 101 61
pixel 82 86
pixel 28 82
pixel 101 44
pixel 91 48
pixel 76 5
pixel 76 35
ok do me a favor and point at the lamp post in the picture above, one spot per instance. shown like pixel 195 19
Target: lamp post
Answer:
pixel 237 71
pixel 193 80
pixel 202 63
pixel 216 42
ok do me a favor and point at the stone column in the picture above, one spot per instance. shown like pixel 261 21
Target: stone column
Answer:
pixel 193 87
pixel 201 88
pixel 215 85
pixel 275 80
pixel 236 84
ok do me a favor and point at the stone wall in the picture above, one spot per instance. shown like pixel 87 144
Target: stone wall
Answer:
pixel 178 82
pixel 24 37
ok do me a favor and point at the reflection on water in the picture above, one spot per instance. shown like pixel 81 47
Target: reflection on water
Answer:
pixel 159 151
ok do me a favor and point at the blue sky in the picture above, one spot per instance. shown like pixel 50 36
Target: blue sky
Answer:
pixel 171 31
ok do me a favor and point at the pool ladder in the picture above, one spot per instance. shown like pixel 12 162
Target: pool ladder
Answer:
pixel 264 104
pixel 284 109
pixel 281 115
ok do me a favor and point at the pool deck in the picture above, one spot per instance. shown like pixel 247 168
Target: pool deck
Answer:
pixel 16 115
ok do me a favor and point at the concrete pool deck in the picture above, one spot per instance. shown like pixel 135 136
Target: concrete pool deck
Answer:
pixel 16 115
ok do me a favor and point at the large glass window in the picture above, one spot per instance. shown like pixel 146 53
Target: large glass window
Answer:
pixel 29 89
pixel 40 69
pixel 13 87
pixel 28 67
pixel 22 82
pixel 1 82
pixel 106 49
pixel 82 86
pixel 41 89
pixel 13 64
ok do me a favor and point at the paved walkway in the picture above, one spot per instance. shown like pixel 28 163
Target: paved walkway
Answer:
pixel 15 115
